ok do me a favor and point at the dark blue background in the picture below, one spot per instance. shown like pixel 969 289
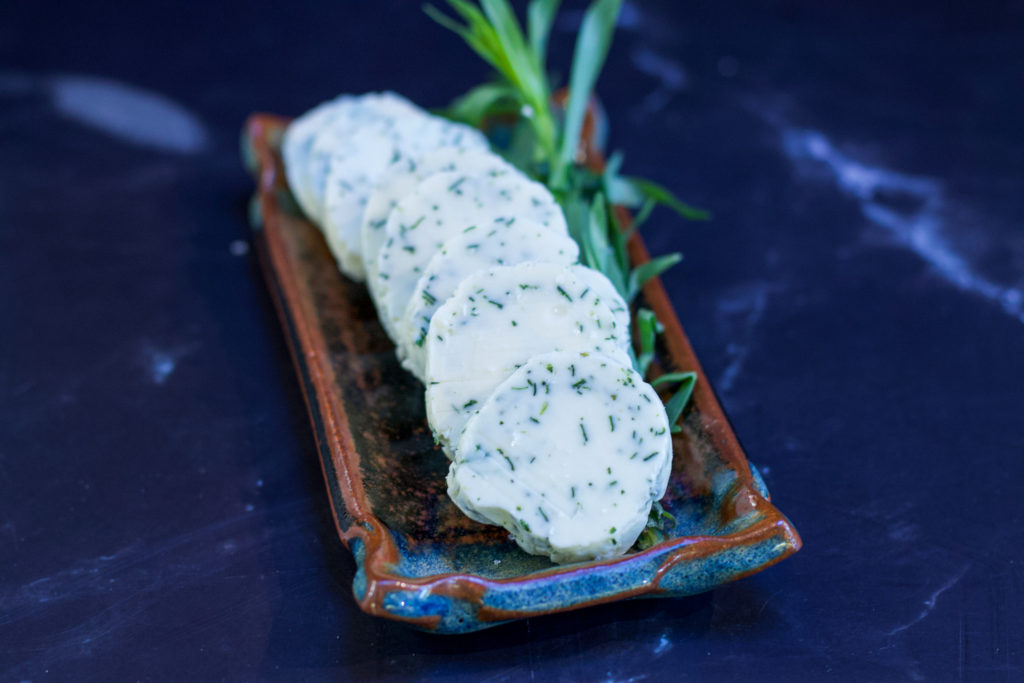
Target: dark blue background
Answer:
pixel 856 301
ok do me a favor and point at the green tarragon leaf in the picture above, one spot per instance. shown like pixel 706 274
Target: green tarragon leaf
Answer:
pixel 494 34
pixel 526 70
pixel 600 254
pixel 619 190
pixel 482 101
pixel 477 32
pixel 675 406
pixel 592 44
pixel 644 272
pixel 647 328
pixel 540 17
pixel 658 194
pixel 658 521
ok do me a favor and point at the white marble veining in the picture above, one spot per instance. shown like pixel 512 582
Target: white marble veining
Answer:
pixel 671 77
pixel 920 228
pixel 160 362
pixel 737 315
pixel 929 604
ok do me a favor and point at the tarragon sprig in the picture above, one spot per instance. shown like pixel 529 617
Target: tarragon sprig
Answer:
pixel 493 32
pixel 545 144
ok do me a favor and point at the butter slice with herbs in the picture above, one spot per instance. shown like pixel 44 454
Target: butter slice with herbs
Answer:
pixel 505 244
pixel 297 145
pixel 497 320
pixel 361 158
pixel 604 291
pixel 371 112
pixel 401 178
pixel 443 205
pixel 568 455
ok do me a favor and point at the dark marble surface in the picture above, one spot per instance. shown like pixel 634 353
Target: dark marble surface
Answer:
pixel 857 301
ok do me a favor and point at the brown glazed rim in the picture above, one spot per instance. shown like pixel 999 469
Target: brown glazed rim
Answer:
pixel 309 353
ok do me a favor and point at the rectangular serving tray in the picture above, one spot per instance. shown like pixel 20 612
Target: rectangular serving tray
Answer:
pixel 419 559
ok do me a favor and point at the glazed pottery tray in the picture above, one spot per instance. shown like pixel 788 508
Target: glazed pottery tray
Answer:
pixel 421 561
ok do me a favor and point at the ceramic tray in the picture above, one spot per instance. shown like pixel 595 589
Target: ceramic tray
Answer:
pixel 419 560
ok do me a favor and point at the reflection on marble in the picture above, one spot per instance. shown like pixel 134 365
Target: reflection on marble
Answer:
pixel 912 208
pixel 127 112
